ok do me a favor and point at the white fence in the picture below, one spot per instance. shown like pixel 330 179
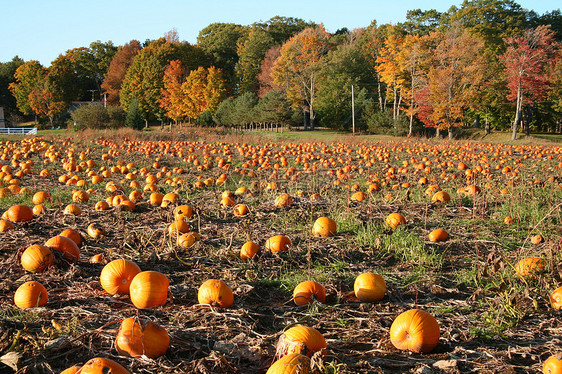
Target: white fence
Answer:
pixel 18 131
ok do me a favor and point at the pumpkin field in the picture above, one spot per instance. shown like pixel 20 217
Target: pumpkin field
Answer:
pixel 207 252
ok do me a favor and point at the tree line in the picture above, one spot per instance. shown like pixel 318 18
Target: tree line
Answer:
pixel 489 63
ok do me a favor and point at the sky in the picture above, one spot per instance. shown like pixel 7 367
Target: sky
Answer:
pixel 42 29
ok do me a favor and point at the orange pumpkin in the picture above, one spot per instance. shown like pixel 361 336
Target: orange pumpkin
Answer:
pixel 96 231
pixel 149 289
pixel 301 339
pixel 553 365
pixel 178 227
pixel 156 198
pixel 18 213
pixel 440 197
pixel 249 250
pixel 64 245
pixel 186 240
pixel 100 365
pixel 394 220
pixel 537 239
pixel 556 298
pixel 97 259
pixel 30 295
pixel 240 210
pixel 283 200
pixel 369 287
pixel 508 220
pixel 39 209
pixel 136 338
pixel 116 277
pixel 227 201
pixel 40 197
pixel 80 196
pixel 358 196
pixel 36 258
pixel 277 243
pixel 438 235
pixel 101 205
pixel 74 235
pixel 170 198
pixel 72 209
pixel 294 363
pixel 215 293
pixel 528 266
pixel 5 225
pixel 183 211
pixel 415 330
pixel 307 292
pixel 324 227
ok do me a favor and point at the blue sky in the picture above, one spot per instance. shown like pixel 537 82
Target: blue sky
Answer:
pixel 43 29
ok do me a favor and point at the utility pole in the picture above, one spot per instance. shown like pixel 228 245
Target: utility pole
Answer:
pixel 352 110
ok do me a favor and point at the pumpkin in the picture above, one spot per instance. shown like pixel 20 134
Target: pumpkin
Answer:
pixel 227 201
pixel 80 196
pixel 156 198
pixel 100 365
pixel 537 239
pixel 358 196
pixel 72 209
pixel 415 330
pixel 39 209
pixel 6 225
pixel 18 213
pixel 294 363
pixel 283 200
pixel 116 276
pixel 324 227
pixel 394 220
pixel 301 339
pixel 369 287
pixel 149 289
pixel 178 227
pixel 101 205
pixel 97 259
pixel 556 298
pixel 307 292
pixel 64 245
pixel 136 338
pixel 215 293
pixel 186 240
pixel 249 250
pixel 30 295
pixel 36 258
pixel 96 231
pixel 183 211
pixel 440 197
pixel 277 243
pixel 40 197
pixel 528 266
pixel 508 220
pixel 74 235
pixel 170 198
pixel 553 365
pixel 438 235
pixel 240 210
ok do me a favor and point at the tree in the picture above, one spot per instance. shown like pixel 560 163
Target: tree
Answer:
pixel 224 114
pixel 92 64
pixel 455 76
pixel 422 22
pixel 117 69
pixel 90 116
pixel 144 78
pixel 220 40
pixel 215 89
pixel 46 100
pixel 390 70
pixel 273 108
pixel 528 60
pixel 172 97
pixel 7 76
pixel 264 77
pixel 243 107
pixel 410 60
pixel 282 29
pixel 342 68
pixel 296 68
pixel 134 117
pixel 28 76
pixel 251 53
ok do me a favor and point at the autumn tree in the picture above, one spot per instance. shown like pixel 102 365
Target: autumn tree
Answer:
pixel 46 100
pixel 455 76
pixel 144 78
pixel 296 68
pixel 388 66
pixel 264 77
pixel 28 76
pixel 171 99
pixel 528 60
pixel 117 69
